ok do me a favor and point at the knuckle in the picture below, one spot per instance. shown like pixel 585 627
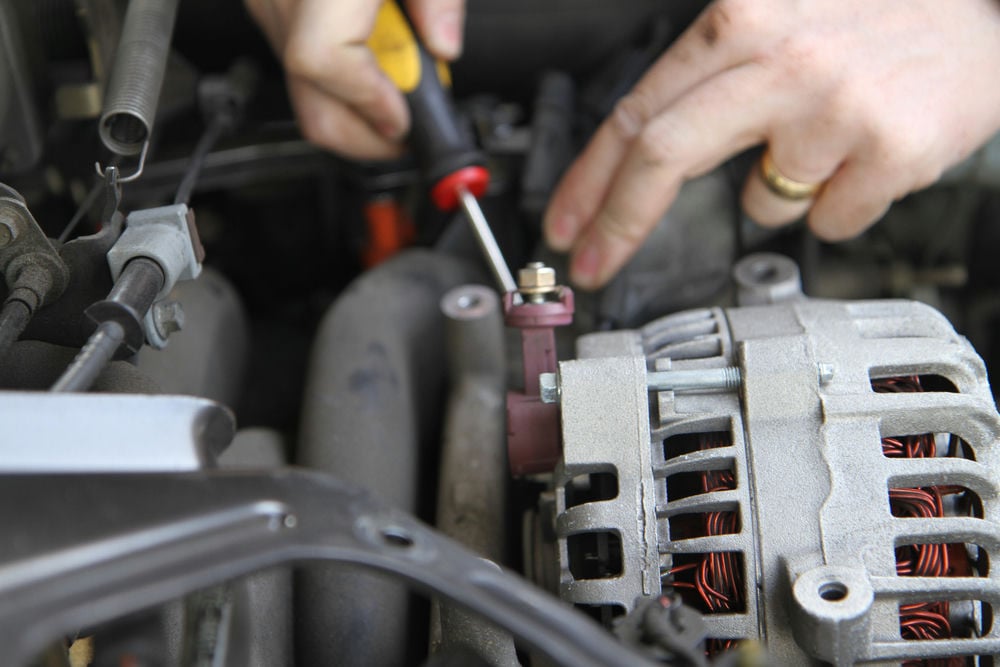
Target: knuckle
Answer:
pixel 737 15
pixel 659 146
pixel 806 61
pixel 614 225
pixel 631 114
pixel 300 60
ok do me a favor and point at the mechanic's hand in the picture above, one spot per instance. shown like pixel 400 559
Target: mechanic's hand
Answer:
pixel 343 100
pixel 873 97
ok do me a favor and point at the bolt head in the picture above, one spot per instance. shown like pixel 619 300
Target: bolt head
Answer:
pixel 168 317
pixel 536 278
pixel 8 231
pixel 548 387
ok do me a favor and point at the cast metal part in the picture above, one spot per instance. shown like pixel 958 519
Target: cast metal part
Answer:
pixel 814 532
pixel 168 236
pixel 137 76
pixel 218 525
pixel 31 267
pixel 110 433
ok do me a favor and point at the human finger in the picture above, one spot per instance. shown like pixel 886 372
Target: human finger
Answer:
pixel 327 122
pixel 327 47
pixel 695 135
pixel 856 197
pixel 723 36
pixel 440 24
pixel 805 158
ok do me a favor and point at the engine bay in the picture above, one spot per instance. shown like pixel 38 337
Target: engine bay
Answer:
pixel 265 405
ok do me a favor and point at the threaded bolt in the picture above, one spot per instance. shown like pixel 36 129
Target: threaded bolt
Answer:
pixel 725 379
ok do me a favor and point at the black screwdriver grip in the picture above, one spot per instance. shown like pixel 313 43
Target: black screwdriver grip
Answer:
pixel 441 144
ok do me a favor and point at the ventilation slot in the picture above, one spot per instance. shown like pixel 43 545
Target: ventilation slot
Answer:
pixel 926 446
pixel 715 645
pixel 592 488
pixel 687 484
pixel 685 443
pixel 710 582
pixel 929 502
pixel 602 613
pixel 906 384
pixel 690 526
pixel 594 555
pixel 934 619
pixel 937 620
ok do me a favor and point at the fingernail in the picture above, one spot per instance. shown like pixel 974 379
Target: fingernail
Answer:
pixel 562 231
pixel 448 33
pixel 585 266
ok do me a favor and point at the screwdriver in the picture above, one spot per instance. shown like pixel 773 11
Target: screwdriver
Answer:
pixel 448 159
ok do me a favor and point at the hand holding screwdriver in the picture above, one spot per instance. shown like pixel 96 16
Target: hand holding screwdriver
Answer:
pixel 343 101
pixel 452 166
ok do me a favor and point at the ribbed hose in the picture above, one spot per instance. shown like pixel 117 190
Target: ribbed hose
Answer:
pixel 14 319
pixel 92 359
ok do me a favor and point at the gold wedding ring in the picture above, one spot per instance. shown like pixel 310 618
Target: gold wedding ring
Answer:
pixel 781 185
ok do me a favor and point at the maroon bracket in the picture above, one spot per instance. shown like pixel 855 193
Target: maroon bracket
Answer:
pixel 534 443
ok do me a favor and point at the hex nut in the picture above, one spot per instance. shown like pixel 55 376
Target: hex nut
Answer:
pixel 548 387
pixel 536 278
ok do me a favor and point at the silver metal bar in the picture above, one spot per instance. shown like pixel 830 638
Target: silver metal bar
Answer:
pixel 728 379
pixel 488 244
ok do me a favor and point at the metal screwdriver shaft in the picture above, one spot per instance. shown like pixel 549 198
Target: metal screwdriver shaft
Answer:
pixel 487 243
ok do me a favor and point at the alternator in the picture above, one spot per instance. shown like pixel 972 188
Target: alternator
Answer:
pixel 825 482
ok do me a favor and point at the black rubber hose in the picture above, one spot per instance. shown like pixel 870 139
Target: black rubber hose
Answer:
pixel 93 358
pixel 14 319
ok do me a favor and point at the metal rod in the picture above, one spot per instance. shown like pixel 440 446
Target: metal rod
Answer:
pixel 488 244
pixel 728 379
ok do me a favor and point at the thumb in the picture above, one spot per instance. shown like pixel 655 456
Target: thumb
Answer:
pixel 440 24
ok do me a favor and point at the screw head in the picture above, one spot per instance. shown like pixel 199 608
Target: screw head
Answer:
pixel 168 317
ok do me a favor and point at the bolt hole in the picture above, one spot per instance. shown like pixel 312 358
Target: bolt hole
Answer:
pixel 833 591
pixel 765 272
pixel 469 301
pixel 397 537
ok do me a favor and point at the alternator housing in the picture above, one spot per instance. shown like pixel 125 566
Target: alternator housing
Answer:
pixel 794 482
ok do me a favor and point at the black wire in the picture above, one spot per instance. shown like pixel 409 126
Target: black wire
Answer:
pixel 92 359
pixel 85 205
pixel 205 144
pixel 14 318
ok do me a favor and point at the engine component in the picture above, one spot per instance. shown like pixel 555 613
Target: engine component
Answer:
pixel 375 380
pixel 842 506
pixel 115 546
pixel 137 76
pixel 533 425
pixel 34 272
pixel 168 236
pixel 472 495
pixel 21 136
